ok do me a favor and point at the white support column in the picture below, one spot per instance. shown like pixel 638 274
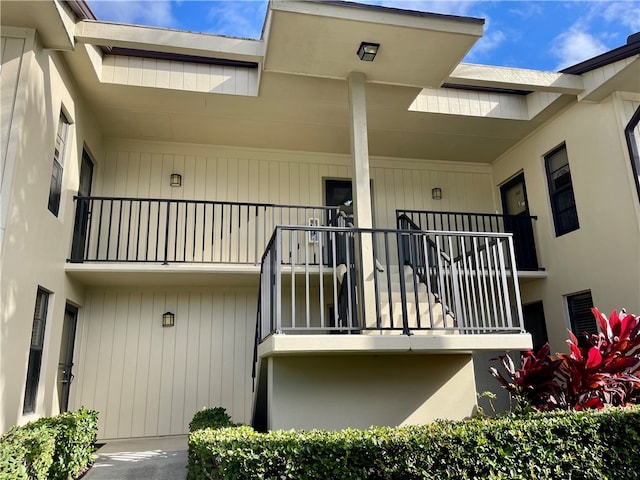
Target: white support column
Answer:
pixel 362 195
pixel 360 151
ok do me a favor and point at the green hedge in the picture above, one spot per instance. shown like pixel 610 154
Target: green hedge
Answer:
pixel 211 418
pixel 560 445
pixel 55 448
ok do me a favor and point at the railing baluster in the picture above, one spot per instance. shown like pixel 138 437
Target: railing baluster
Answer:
pixel 293 283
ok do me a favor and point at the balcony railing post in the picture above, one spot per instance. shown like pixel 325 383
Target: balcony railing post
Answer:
pixel 403 287
pixel 516 288
pixel 278 279
pixel 166 236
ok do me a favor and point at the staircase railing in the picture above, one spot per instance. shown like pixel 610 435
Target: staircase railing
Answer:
pixel 522 227
pixel 428 262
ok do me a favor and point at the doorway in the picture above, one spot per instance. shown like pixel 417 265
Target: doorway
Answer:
pixel 83 209
pixel 535 324
pixel 517 220
pixel 65 364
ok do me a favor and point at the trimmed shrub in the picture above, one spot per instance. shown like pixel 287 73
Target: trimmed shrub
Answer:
pixel 55 448
pixel 552 445
pixel 210 418
pixel 26 453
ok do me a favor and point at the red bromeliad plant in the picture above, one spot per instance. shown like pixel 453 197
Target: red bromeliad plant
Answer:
pixel 605 372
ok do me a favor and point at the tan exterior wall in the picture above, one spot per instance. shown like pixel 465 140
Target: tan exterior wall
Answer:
pixel 146 380
pixel 36 243
pixel 603 255
pixel 359 391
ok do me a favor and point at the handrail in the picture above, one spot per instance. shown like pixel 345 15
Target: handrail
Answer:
pixel 522 227
pixel 445 212
pixel 128 229
pixel 479 286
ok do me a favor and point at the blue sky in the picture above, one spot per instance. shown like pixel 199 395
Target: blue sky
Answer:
pixel 543 35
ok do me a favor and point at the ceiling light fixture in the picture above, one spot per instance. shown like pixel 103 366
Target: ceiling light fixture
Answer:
pixel 368 51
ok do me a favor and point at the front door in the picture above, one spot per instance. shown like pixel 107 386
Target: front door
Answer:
pixel 517 220
pixel 83 209
pixel 65 364
pixel 535 324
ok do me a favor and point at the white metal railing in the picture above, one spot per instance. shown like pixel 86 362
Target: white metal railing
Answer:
pixel 350 280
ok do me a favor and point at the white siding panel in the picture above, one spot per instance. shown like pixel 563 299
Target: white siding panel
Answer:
pixel 146 380
pixel 260 177
pixel 178 75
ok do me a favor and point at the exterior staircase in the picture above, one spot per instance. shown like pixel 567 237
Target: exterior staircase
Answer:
pixel 425 313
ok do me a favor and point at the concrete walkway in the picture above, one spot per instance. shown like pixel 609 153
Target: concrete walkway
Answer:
pixel 157 458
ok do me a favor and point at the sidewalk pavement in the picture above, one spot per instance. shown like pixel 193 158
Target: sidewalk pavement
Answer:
pixel 153 458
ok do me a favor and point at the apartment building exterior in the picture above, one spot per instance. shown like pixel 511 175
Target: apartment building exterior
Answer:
pixel 279 227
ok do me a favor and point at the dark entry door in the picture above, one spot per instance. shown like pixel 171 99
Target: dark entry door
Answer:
pixel 535 324
pixel 517 220
pixel 65 364
pixel 82 209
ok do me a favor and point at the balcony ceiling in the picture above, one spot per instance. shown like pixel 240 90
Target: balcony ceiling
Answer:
pixel 303 94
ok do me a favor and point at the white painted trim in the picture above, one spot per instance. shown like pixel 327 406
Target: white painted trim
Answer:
pixel 170 41
pixel 368 343
pixel 516 78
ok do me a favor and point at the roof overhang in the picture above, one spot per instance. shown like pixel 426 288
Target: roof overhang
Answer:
pixel 321 39
pixel 53 20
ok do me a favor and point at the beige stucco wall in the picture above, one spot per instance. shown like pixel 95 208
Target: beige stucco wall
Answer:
pixel 36 243
pixel 359 391
pixel 603 255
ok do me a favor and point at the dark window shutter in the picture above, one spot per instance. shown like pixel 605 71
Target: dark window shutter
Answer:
pixel 582 320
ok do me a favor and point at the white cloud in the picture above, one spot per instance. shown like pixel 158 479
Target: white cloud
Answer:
pixel 575 46
pixel 626 13
pixel 145 12
pixel 237 18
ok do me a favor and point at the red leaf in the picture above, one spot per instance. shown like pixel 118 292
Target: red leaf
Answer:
pixel 594 359
pixel 628 322
pixel 614 324
pixel 603 323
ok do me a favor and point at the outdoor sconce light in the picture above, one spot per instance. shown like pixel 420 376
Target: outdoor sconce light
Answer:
pixel 436 193
pixel 176 180
pixel 367 51
pixel 168 319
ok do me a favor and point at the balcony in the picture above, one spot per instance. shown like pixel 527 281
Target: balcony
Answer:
pixel 152 240
pixel 335 280
pixel 341 308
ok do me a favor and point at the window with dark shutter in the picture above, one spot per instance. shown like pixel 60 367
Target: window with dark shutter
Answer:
pixel 55 189
pixel 563 203
pixel 582 320
pixel 35 351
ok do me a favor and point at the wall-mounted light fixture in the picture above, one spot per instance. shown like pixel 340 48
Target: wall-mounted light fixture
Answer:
pixel 176 180
pixel 436 193
pixel 368 51
pixel 168 319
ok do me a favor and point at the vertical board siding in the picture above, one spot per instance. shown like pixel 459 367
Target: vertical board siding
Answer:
pixel 176 75
pixel 289 181
pixel 146 380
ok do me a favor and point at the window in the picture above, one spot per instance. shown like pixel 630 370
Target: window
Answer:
pixel 563 204
pixel 582 320
pixel 35 351
pixel 58 163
